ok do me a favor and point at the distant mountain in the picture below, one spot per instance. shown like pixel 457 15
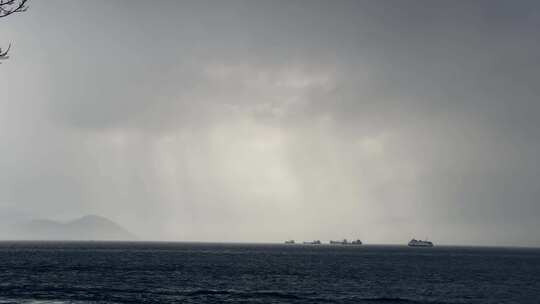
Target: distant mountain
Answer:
pixel 90 227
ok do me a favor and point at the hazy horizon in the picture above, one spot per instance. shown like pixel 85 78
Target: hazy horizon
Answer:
pixel 244 121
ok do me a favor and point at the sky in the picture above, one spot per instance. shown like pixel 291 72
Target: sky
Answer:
pixel 260 121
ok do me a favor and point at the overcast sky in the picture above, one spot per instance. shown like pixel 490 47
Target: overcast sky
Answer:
pixel 271 120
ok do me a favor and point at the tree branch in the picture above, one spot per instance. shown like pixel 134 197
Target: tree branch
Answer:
pixel 8 7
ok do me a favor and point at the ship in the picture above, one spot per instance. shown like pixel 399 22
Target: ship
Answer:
pixel 315 242
pixel 343 242
pixel 289 242
pixel 346 242
pixel 420 243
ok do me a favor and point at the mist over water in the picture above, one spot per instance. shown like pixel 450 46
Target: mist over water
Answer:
pixel 251 121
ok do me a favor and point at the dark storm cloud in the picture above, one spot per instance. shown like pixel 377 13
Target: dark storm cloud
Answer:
pixel 388 119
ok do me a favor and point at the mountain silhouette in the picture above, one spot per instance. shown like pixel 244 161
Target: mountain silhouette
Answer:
pixel 89 227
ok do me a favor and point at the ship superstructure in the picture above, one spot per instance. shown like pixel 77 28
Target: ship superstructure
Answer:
pixel 420 243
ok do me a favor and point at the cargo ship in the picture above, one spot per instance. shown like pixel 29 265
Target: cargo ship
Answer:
pixel 420 243
pixel 346 242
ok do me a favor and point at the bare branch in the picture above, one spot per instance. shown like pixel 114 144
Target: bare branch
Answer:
pixel 8 7
pixel 4 53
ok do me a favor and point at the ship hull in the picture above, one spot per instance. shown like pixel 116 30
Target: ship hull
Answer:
pixel 422 245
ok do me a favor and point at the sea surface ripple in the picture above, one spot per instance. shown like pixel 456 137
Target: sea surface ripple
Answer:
pixel 139 272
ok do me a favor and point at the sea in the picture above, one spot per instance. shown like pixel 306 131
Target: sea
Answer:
pixel 140 272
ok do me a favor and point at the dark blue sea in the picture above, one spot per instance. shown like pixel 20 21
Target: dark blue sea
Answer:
pixel 111 272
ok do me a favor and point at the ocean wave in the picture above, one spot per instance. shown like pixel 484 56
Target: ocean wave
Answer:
pixel 243 294
pixel 391 300
pixel 306 297
pixel 238 294
pixel 397 300
pixel 37 301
